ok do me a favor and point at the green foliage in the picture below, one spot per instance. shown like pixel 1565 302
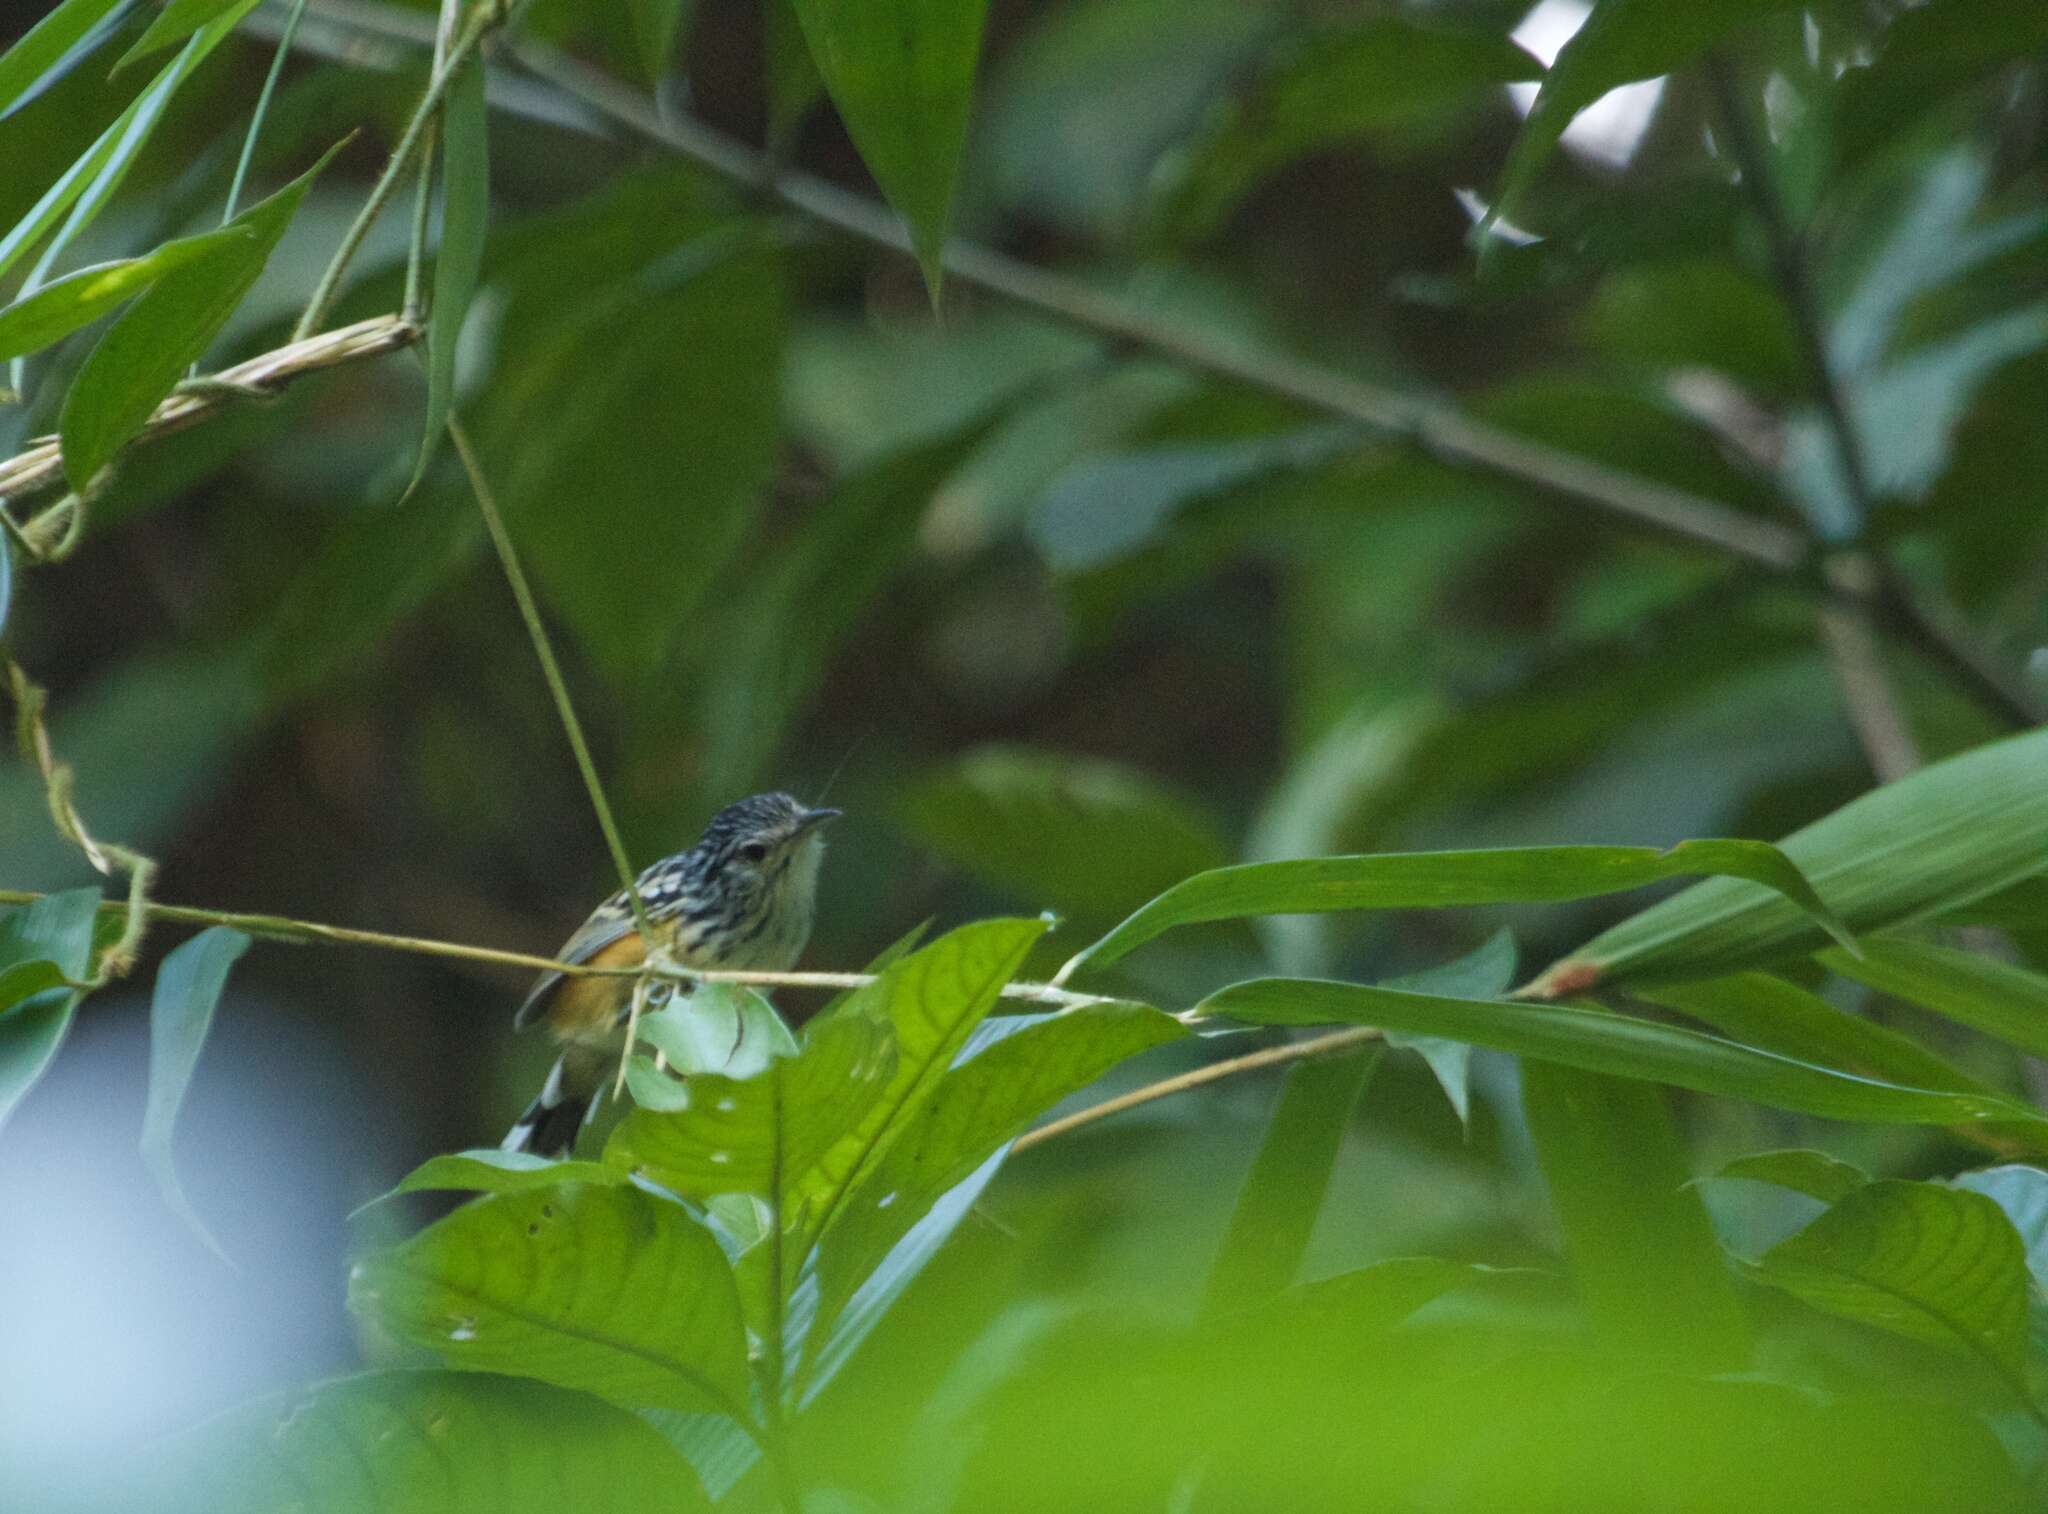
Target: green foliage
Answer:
pixel 901 73
pixel 1233 544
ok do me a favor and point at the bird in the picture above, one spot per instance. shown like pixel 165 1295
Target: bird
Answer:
pixel 741 898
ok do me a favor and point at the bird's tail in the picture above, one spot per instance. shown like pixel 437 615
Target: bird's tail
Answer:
pixel 559 1112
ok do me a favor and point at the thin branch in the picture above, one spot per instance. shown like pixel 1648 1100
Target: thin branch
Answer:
pixel 313 932
pixel 529 611
pixel 1272 1056
pixel 40 465
pixel 1857 659
pixel 485 15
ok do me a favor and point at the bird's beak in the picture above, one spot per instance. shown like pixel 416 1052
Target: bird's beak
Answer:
pixel 812 819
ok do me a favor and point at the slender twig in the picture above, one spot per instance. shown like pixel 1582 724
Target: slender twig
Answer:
pixel 284 928
pixel 551 670
pixel 1857 659
pixel 40 465
pixel 284 47
pixel 485 15
pixel 1272 1056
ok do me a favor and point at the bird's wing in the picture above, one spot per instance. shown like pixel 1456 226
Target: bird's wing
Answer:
pixel 610 921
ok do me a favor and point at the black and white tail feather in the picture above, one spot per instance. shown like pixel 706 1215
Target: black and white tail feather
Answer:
pixel 556 1116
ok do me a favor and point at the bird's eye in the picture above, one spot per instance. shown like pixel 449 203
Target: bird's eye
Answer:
pixel 754 851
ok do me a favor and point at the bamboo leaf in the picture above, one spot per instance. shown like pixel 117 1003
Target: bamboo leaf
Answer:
pixel 606 1289
pixel 58 930
pixel 1283 1193
pixel 144 354
pixel 188 989
pixel 1931 1263
pixel 47 44
pixel 1617 1044
pixel 1955 831
pixel 177 21
pixel 1643 1253
pixel 901 73
pixel 1436 880
pixel 1482 974
pixel 78 299
pixel 465 225
pixel 2001 999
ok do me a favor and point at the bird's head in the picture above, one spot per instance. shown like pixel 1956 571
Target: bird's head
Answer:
pixel 774 838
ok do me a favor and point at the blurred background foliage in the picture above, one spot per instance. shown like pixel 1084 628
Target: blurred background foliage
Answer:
pixel 1058 620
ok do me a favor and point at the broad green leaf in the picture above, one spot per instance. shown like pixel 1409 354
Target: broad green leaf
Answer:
pixel 45 45
pixel 1617 1044
pixel 465 223
pixel 24 980
pixel 749 1135
pixel 1953 832
pixel 1649 1272
pixel 977 1108
pixel 489 1170
pixel 1482 974
pixel 422 1443
pixel 175 22
pixel 653 1088
pixel 656 26
pixel 2022 1192
pixel 901 73
pixel 1813 1173
pixel 1385 78
pixel 55 929
pixel 1437 880
pixel 931 1001
pixel 99 170
pixel 1623 41
pixel 78 299
pixel 1283 1193
pixel 2001 999
pixel 607 1289
pixel 882 961
pixel 2018 906
pixel 144 354
pixel 724 1028
pixel 1073 834
pixel 188 989
pixel 1933 1264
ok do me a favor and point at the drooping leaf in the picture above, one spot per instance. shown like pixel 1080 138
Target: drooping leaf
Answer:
pixel 1072 834
pixel 45 45
pixel 90 181
pixel 606 1289
pixel 2022 1192
pixel 78 299
pixel 1813 1173
pixel 175 22
pixel 422 1443
pixel 1952 832
pixel 1436 880
pixel 1283 1193
pixel 1933 1264
pixel 144 354
pixel 489 1170
pixel 1617 1044
pixel 901 73
pixel 2001 999
pixel 1622 41
pixel 977 1108
pixel 188 989
pixel 1643 1255
pixel 1483 974
pixel 744 1135
pixel 56 929
pixel 465 224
